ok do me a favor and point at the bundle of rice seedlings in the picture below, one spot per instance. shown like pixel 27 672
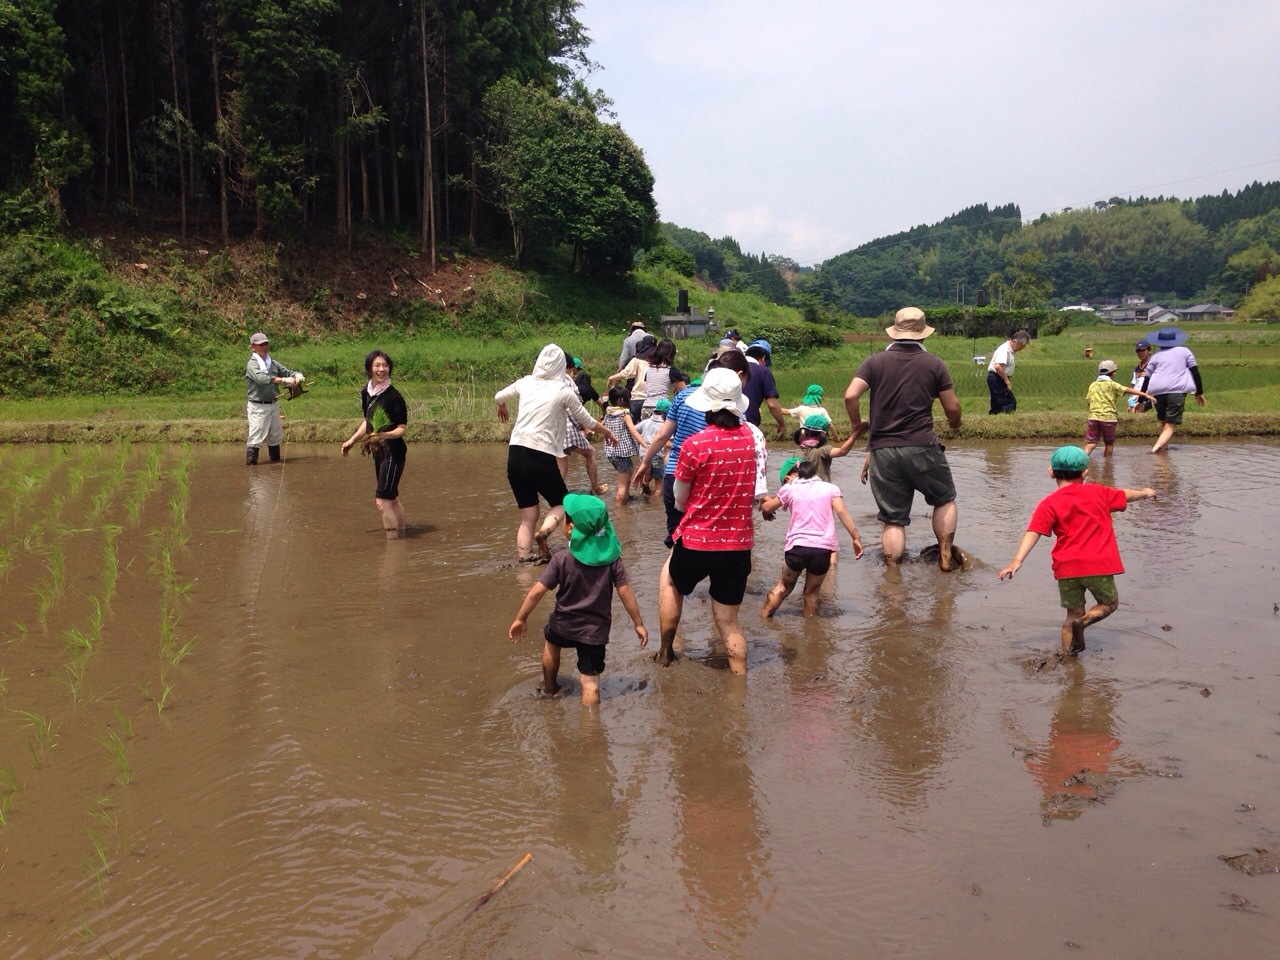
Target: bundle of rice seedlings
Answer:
pixel 373 442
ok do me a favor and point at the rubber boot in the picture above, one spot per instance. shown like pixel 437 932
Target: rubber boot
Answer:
pixel 274 453
pixel 251 457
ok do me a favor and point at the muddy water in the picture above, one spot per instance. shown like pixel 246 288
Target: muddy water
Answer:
pixel 239 723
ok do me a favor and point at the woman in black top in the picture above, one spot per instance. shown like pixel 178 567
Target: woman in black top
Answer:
pixel 382 431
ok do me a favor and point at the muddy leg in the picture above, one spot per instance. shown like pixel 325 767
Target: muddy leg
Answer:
pixel 1099 611
pixel 589 454
pixel 624 486
pixel 670 605
pixel 786 583
pixel 590 689
pixel 390 526
pixel 550 669
pixel 554 516
pixel 893 541
pixel 726 619
pixel 944 528
pixel 812 584
pixel 524 533
pixel 1166 434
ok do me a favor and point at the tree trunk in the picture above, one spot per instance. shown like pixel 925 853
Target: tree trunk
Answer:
pixel 341 214
pixel 428 179
pixel 221 135
pixel 124 101
pixel 107 115
pixel 364 183
pixel 177 118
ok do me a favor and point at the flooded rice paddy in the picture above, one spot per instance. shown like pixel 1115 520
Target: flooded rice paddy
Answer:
pixel 235 721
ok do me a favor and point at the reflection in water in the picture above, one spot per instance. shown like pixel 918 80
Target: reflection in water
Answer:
pixel 723 858
pixel 907 674
pixel 1079 763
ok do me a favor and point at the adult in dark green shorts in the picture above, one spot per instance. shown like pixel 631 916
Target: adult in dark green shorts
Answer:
pixel 906 457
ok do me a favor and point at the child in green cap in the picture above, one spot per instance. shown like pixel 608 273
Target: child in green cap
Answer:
pixel 584 578
pixel 811 404
pixel 811 542
pixel 813 440
pixel 1085 554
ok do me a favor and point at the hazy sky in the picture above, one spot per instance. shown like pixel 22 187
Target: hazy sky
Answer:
pixel 807 127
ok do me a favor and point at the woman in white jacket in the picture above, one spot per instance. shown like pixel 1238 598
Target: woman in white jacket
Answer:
pixel 537 441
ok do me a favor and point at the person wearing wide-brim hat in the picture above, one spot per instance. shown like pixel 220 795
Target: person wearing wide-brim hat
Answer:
pixel 1172 373
pixel 904 379
pixel 714 490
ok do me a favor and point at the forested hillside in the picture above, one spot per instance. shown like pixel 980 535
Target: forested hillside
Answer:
pixel 1219 248
pixel 460 120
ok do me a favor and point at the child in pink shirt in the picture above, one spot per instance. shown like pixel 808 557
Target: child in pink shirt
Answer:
pixel 811 538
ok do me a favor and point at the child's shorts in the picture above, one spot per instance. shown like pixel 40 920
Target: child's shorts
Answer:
pixel 622 464
pixel 1104 429
pixel 590 655
pixel 815 560
pixel 1071 590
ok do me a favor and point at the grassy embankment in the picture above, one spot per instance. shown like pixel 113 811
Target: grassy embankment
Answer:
pixel 158 355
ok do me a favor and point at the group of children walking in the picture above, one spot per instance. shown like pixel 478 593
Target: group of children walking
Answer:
pixel 1085 558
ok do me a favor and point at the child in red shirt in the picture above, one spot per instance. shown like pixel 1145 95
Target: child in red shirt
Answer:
pixel 1085 556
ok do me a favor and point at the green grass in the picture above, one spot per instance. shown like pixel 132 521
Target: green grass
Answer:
pixel 449 381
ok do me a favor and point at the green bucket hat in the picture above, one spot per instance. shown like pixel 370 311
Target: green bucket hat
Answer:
pixel 577 362
pixel 813 395
pixel 662 406
pixel 1070 459
pixel 788 465
pixel 816 421
pixel 593 541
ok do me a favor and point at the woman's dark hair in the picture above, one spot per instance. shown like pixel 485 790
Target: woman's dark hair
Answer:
pixel 664 353
pixel 619 396
pixel 722 418
pixel 374 355
pixel 734 360
pixel 806 470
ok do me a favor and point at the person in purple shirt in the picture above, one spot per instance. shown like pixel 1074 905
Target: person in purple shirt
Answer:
pixel 1172 373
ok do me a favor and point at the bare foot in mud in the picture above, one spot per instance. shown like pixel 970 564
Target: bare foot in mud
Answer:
pixel 601 489
pixel 551 694
pixel 544 553
pixel 1077 636
pixel 665 657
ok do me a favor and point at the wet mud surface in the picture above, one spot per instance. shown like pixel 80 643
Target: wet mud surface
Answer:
pixel 235 721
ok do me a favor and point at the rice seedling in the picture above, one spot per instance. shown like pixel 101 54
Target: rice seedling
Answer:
pixel 8 790
pixel 163 700
pixel 95 618
pixel 178 654
pixel 104 812
pixel 99 864
pixel 110 562
pixel 119 755
pixel 45 730
pixel 125 722
pixel 4 683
